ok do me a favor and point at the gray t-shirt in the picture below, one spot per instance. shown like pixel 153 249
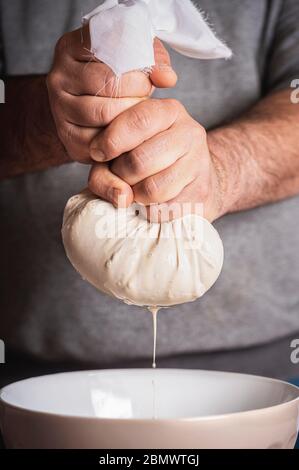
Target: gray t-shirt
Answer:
pixel 48 310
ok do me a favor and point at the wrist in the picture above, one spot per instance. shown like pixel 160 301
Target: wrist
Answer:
pixel 226 174
pixel 28 134
pixel 43 133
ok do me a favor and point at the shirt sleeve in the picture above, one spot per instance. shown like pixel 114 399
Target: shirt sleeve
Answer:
pixel 283 59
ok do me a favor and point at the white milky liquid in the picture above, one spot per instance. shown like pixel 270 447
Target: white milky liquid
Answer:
pixel 154 311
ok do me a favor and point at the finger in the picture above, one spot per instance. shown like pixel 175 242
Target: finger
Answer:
pixel 94 111
pixel 75 45
pixel 162 75
pixel 97 79
pixel 76 140
pixel 108 186
pixel 167 184
pixel 153 156
pixel 133 127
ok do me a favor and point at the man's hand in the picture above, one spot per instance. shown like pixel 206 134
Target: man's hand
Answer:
pixel 158 149
pixel 85 94
pixel 78 90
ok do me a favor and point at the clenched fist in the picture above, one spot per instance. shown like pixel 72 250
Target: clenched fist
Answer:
pixel 156 153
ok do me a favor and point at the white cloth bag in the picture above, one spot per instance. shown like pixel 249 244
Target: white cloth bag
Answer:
pixel 122 32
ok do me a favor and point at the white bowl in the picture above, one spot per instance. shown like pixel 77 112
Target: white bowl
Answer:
pixel 145 408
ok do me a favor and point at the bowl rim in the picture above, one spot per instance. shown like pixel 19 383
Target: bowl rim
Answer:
pixel 222 416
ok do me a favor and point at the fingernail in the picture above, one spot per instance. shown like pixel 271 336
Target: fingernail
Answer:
pixel 97 154
pixel 116 197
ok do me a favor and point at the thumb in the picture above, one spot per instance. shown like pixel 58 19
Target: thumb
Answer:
pixel 162 76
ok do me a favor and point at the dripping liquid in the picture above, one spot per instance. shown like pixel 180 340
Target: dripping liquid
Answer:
pixel 154 311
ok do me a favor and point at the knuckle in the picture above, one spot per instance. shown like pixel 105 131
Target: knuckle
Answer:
pixel 150 189
pixel 174 104
pixel 109 83
pixel 68 134
pixel 98 113
pixel 138 160
pixel 76 152
pixel 164 144
pixel 199 131
pixel 157 105
pixel 140 119
pixel 53 80
pixel 112 143
pixel 105 115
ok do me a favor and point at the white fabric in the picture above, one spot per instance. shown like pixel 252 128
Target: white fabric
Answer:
pixel 141 263
pixel 122 32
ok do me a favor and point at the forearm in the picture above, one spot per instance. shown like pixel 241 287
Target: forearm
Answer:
pixel 28 137
pixel 257 156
